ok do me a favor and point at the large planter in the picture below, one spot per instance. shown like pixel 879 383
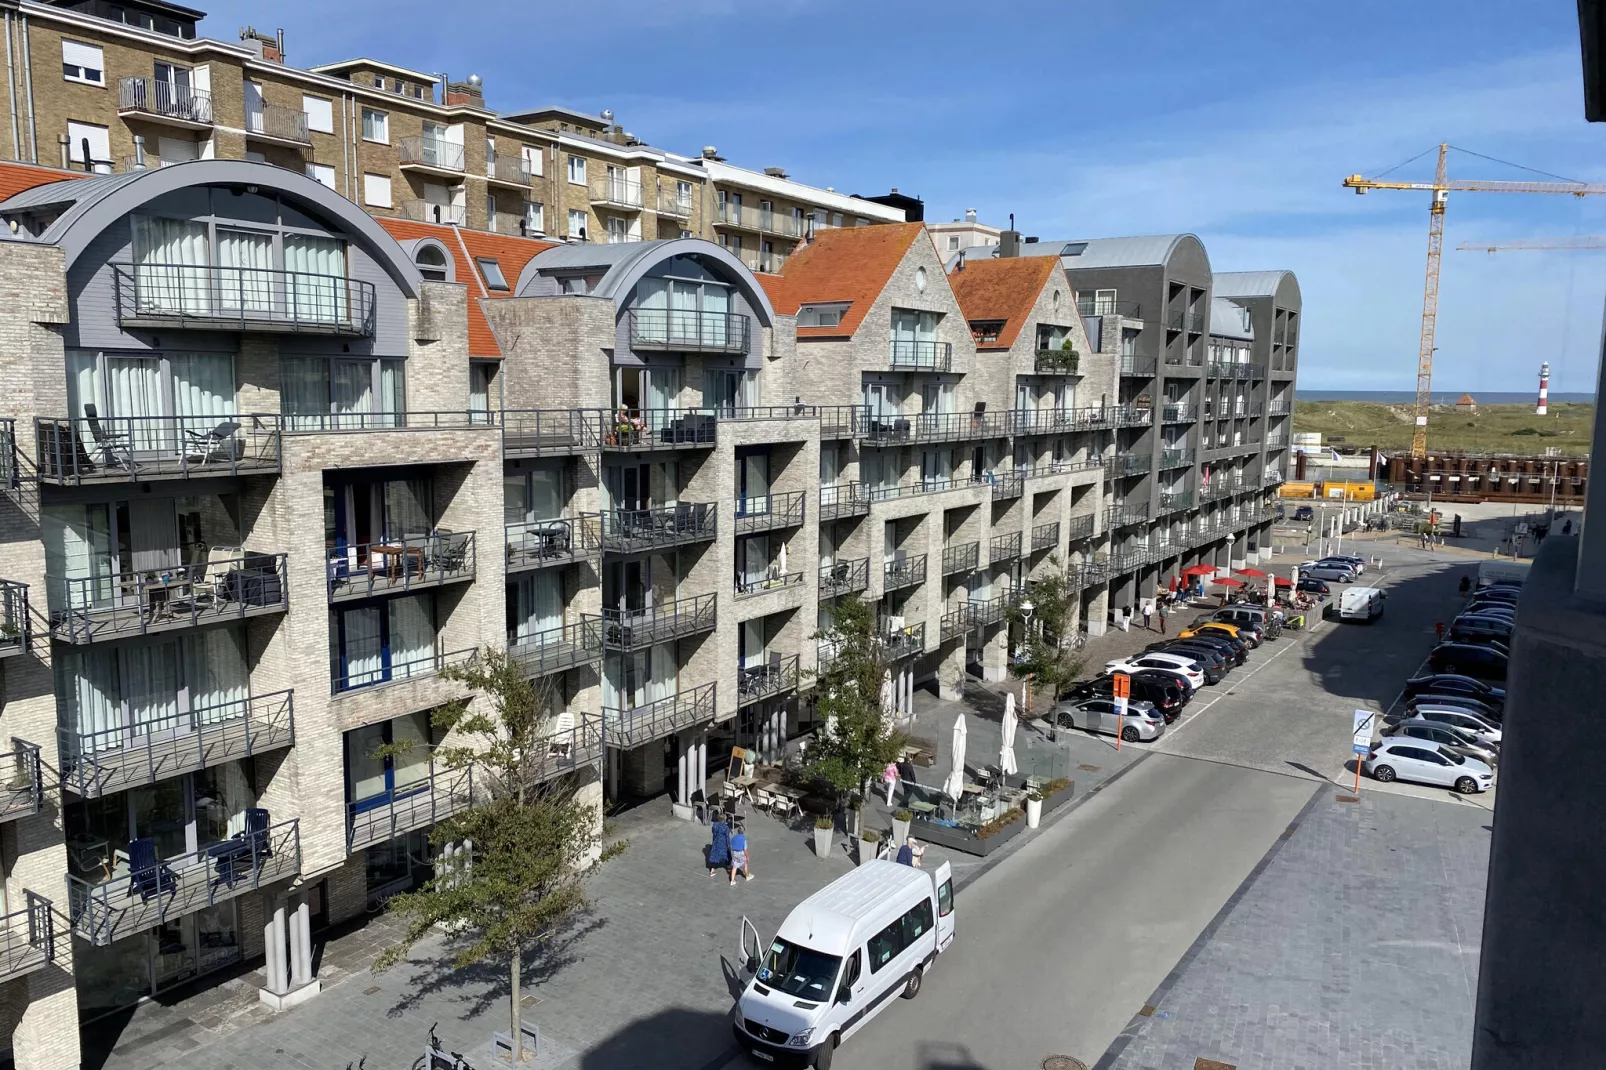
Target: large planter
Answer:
pixel 822 842
pixel 964 840
pixel 900 832
pixel 1034 813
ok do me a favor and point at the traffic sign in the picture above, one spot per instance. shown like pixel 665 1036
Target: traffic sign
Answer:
pixel 1122 684
pixel 1363 731
pixel 1121 687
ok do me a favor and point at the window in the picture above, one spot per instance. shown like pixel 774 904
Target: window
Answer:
pixel 490 212
pixel 375 644
pixel 985 332
pixel 431 262
pixel 93 141
pixel 320 115
pixel 82 63
pixel 317 394
pixel 534 217
pixel 379 82
pixel 398 87
pixel 945 899
pixel 861 222
pixel 577 222
pixel 836 219
pixel 255 157
pixel 821 315
pixel 618 231
pixel 917 922
pixel 532 159
pixel 577 170
pixel 491 272
pixel 375 126
pixel 953 241
pixel 376 190
pixel 322 173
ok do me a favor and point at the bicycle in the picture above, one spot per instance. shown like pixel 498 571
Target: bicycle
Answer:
pixel 438 1058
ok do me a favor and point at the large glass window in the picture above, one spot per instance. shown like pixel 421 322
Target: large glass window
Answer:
pixel 321 394
pixel 150 402
pixel 383 641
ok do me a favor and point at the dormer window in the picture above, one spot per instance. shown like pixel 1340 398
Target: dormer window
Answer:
pixel 822 315
pixel 986 332
pixel 431 262
pixel 491 272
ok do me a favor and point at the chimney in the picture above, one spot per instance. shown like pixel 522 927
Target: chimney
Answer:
pixel 970 215
pixel 266 47
pixel 776 172
pixel 470 92
pixel 1009 243
pixel 66 152
pixel 139 152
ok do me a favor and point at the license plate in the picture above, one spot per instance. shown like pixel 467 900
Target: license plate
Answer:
pixel 766 1056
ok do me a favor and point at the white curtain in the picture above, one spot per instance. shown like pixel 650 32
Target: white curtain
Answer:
pixel 170 258
pixel 392 387
pixel 652 301
pixel 664 667
pixel 203 389
pixel 755 558
pixel 214 668
pixel 87 682
pixel 406 508
pixel 245 260
pixel 412 636
pixel 149 676
pixel 410 765
pixel 514 498
pixel 304 392
pixel 756 484
pixel 364 648
pixel 351 392
pixel 684 323
pixel 662 388
pixel 546 494
pixel 135 402
pixel 153 534
pixel 77 555
pixel 316 284
pixel 539 605
pixel 716 302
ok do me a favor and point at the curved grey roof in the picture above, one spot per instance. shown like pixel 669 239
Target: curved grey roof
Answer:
pixel 1094 252
pixel 90 205
pixel 1227 320
pixel 623 264
pixel 1250 283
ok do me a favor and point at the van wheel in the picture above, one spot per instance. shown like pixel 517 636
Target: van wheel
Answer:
pixel 822 1061
pixel 911 987
pixel 1466 785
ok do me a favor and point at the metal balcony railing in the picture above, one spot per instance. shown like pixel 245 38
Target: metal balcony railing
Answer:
pixel 921 356
pixel 1172 501
pixel 422 150
pixel 1138 366
pixel 231 584
pixel 550 432
pixel 686 331
pixel 533 544
pixel 1257 371
pixel 184 297
pixel 1095 569
pixel 9 481
pixel 16 624
pixel 636 430
pixel 617 192
pixel 843 421
pixel 844 577
pixel 1126 514
pixel 1006 484
pixel 395 670
pixel 632 629
pixel 634 531
pixel 278 123
pixel 897 430
pixel 627 728
pixel 671 203
pixel 1133 416
pixel 114 449
pixel 22 792
pixel 925 485
pixel 1079 527
pixel 956 622
pixel 1001 548
pixel 1218 369
pixel 132 901
pixel 1056 361
pixel 905 642
pixel 780 672
pixel 1185 321
pixel 905 571
pixel 148 96
pixel 767 512
pixel 507 169
pixel 1045 536
pixel 27 938
pixel 419 804
pixel 392 566
pixel 1092 305
pixel 1176 458
pixel 771 580
pixel 432 212
pixel 1276 440
pixel 965 557
pixel 838 500
pixel 558 649
pixel 1128 464
pixel 1277 408
pixel 1179 413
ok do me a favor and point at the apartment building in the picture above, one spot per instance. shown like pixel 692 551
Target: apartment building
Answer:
pixel 961 234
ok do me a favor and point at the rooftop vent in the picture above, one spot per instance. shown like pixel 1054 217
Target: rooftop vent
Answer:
pixel 776 172
pixel 710 152
pixel 970 215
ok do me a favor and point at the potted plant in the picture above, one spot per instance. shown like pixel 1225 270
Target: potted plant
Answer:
pixel 1034 809
pixel 1069 358
pixel 824 826
pixel 900 826
pixel 869 840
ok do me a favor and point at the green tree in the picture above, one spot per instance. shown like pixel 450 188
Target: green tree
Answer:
pixel 532 838
pixel 856 740
pixel 1045 658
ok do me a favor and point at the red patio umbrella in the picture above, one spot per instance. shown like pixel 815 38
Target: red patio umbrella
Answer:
pixel 1279 581
pixel 1254 572
pixel 1228 582
pixel 1198 570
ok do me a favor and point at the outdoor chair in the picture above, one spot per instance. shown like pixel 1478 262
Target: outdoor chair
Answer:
pixel 114 449
pixel 244 852
pixel 148 876
pixel 206 447
pixel 562 742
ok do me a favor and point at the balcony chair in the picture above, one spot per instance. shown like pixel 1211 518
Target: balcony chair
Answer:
pixel 210 584
pixel 244 852
pixel 205 448
pixel 775 664
pixel 115 450
pixel 447 554
pixel 148 876
pixel 561 744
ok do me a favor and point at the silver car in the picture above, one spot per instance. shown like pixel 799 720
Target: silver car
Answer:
pixel 1485 731
pixel 1141 723
pixel 1318 571
pixel 1449 737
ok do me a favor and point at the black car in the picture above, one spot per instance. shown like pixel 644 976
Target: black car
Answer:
pixel 1211 661
pixel 1508 595
pixel 1311 585
pixel 1472 628
pixel 1230 649
pixel 1167 697
pixel 1239 647
pixel 1491 609
pixel 1486 661
pixel 1489 713
pixel 1450 684
pixel 1304 512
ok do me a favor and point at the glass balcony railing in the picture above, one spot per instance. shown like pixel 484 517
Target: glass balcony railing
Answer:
pixel 685 331
pixel 533 544
pixel 71 451
pixel 631 531
pixel 558 649
pixel 396 566
pixel 208 297
pixel 844 577
pixel 634 629
pixel 231 584
pixel 626 728
pixel 767 512
pixel 635 430
pixel 672 203
pixel 772 676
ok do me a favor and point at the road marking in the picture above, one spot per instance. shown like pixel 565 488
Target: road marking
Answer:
pixel 1205 706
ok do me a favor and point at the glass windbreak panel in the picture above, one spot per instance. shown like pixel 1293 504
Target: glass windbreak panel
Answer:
pixel 222 795
pixel 537 604
pixel 546 494
pixel 351 389
pixel 78 555
pixel 215 675
pixel 407 508
pixel 514 500
pixel 365 764
pixel 409 736
pixel 800 972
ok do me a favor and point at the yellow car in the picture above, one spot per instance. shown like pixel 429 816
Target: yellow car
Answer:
pixel 1213 628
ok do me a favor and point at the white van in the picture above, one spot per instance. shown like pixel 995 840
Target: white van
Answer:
pixel 1360 603
pixel 838 959
pixel 1501 572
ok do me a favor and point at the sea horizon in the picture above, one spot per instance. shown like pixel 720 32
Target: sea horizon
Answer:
pixel 1446 397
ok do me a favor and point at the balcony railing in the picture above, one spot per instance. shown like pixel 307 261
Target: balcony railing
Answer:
pixel 102 449
pixel 1176 458
pixel 1079 527
pixel 779 673
pixel 671 203
pixel 921 356
pixel 1179 413
pixel 22 792
pixel 421 804
pixel 1128 464
pixel 617 193
pixel 895 430
pixel 635 430
pixel 1138 366
pixel 16 625
pixel 130 902
pixel 771 580
pixel 1091 305
pixel 1006 484
pixel 558 649
pixel 838 500
pixel 904 642
pixel 633 629
pixel 533 544
pixel 1277 408
pixel 767 512
pixel 509 170
pixel 230 585
pixel 1126 514
pixel 432 212
pixel 686 331
pixel 1045 536
pixel 550 432
pixel 1056 361
pixel 147 96
pixel 278 123
pixel 391 566
pixel 398 670
pixel 1172 501
pixel 421 150
pixel 1001 548
pixel 844 577
pixel 903 572
pixel 925 485
pixel 634 531
pixel 103 761
pixel 183 296
pixel 965 557
pixel 1185 321
pixel 646 724
pixel 9 481
pixel 27 938
pixel 1276 440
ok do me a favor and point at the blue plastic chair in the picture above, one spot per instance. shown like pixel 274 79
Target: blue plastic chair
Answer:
pixel 148 876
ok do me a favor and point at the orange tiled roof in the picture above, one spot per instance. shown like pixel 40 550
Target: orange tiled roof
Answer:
pixel 1003 289
pixel 510 251
pixel 845 264
pixel 16 177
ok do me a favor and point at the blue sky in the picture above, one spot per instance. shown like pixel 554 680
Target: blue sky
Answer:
pixel 1231 119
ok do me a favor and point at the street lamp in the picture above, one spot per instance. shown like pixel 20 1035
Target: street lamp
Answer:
pixel 1026 610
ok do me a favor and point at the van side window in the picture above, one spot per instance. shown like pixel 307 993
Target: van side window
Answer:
pixel 945 898
pixel 885 945
pixel 917 922
pixel 854 968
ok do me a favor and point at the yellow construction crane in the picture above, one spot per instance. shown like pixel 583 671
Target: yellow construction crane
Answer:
pixel 1588 241
pixel 1440 188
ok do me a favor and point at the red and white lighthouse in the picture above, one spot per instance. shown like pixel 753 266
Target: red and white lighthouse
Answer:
pixel 1544 389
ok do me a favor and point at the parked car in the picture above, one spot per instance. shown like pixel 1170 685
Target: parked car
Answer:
pixel 1304 512
pixel 1449 737
pixel 1164 693
pixel 1475 628
pixel 1508 595
pixel 1451 684
pixel 1215 629
pixel 1356 563
pixel 1142 721
pixel 1335 571
pixel 1243 615
pixel 1486 731
pixel 1426 763
pixel 1233 650
pixel 1212 661
pixel 1504 610
pixel 1487 661
pixel 1311 585
pixel 1458 702
pixel 1183 668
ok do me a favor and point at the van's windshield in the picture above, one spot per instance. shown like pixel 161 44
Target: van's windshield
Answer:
pixel 799 972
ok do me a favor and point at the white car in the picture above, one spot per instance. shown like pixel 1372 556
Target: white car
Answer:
pixel 1486 731
pixel 1177 665
pixel 1425 762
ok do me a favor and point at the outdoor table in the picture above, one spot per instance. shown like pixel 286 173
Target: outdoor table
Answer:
pixel 918 807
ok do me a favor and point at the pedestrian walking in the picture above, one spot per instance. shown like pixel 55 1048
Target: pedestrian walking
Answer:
pixel 739 854
pixel 719 846
pixel 1567 527
pixel 1165 611
pixel 1148 614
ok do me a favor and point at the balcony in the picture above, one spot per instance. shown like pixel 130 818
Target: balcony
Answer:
pixel 22 793
pixel 843 421
pixel 618 193
pixel 903 571
pixel 839 500
pixel 1092 305
pixel 778 674
pixel 1124 515
pixel 963 558
pixel 910 355
pixel 274 123
pixel 1128 464
pixel 399 566
pixel 639 430
pixel 671 203
pixel 773 580
pixel 204 297
pixel 635 531
pixel 430 155
pixel 558 649
pixel 1127 560
pixel 656 720
pixel 1174 501
pixel 550 432
pixel 507 171
pixel 1276 440
pixel 1079 527
pixel 1257 371
pixel 894 430
pixel 163 102
pixel 898 642
pixel 27 938
pixel 635 629
pixel 844 577
pixel 1133 416
pixel 681 331
pixel 418 805
pixel 130 903
pixel 1179 414
pixel 1192 322
pixel 1095 569
pixel 533 544
pixel 976 613
pixel 926 485
pixel 1046 536
pixel 16 625
pixel 734 215
pixel 1138 367
pixel 1056 361
pixel 1277 408
pixel 432 212
pixel 769 512
pixel 1006 485
pixel 1176 458
pixel 230 585
pixel 396 670
pixel 1002 548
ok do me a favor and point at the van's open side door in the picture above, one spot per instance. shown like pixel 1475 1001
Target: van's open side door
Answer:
pixel 944 880
pixel 749 949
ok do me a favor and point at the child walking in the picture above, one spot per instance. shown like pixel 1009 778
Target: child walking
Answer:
pixel 739 854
